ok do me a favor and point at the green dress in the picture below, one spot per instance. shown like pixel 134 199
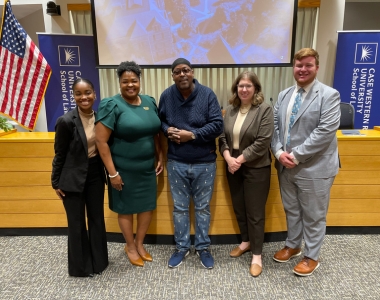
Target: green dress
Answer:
pixel 133 152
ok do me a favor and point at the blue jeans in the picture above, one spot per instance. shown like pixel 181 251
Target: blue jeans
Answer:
pixel 194 181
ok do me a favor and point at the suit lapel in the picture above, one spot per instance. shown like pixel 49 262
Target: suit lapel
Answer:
pixel 233 114
pixel 284 107
pixel 79 125
pixel 252 113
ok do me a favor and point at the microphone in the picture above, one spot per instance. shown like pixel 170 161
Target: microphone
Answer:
pixel 271 101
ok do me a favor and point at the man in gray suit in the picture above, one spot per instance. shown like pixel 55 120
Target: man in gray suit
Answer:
pixel 306 118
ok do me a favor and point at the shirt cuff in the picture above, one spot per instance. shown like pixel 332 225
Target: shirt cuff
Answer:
pixel 278 154
pixel 295 160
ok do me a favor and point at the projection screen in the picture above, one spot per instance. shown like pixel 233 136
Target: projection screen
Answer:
pixel 209 33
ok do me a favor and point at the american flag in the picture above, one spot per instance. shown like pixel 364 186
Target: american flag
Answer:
pixel 24 73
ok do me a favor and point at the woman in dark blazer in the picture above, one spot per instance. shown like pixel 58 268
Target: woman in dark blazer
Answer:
pixel 244 144
pixel 78 179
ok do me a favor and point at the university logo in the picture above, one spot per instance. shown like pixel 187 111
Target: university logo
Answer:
pixel 69 56
pixel 366 53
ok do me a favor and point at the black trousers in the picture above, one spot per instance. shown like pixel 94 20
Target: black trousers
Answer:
pixel 87 253
pixel 249 188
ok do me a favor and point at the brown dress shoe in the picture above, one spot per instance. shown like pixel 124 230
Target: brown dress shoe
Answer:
pixel 146 257
pixel 137 262
pixel 236 252
pixel 255 270
pixel 286 253
pixel 306 267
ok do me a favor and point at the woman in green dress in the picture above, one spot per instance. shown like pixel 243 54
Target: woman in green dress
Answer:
pixel 127 137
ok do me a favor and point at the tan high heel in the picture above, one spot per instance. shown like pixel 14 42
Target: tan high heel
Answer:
pixel 146 257
pixel 138 262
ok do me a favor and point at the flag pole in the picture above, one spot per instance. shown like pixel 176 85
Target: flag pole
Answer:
pixel 2 19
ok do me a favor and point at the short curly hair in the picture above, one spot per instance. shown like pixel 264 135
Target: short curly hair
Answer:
pixel 128 66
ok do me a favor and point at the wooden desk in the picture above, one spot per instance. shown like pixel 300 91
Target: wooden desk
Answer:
pixel 27 199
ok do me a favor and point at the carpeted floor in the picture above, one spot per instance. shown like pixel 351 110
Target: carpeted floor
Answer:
pixel 36 268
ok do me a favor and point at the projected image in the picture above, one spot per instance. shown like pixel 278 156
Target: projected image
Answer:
pixel 155 32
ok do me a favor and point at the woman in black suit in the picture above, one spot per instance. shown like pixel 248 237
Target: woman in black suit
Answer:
pixel 78 179
pixel 244 144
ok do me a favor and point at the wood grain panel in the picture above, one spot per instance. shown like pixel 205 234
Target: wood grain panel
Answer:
pixel 27 150
pixel 357 177
pixel 87 6
pixel 27 192
pixel 355 192
pixel 366 148
pixel 23 164
pixel 357 205
pixel 361 163
pixel 33 220
pixel 27 199
pixel 79 6
pixel 15 179
pixel 32 207
pixel 353 219
pixel 309 3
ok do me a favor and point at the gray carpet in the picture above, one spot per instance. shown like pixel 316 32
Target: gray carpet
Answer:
pixel 36 268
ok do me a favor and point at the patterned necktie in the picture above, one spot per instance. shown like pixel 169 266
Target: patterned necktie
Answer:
pixel 296 107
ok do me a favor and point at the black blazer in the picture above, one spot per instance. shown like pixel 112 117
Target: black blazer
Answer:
pixel 70 163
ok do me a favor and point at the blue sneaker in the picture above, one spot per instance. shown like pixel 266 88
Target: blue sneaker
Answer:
pixel 177 258
pixel 206 258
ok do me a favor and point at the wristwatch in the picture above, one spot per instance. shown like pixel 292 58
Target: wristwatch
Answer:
pixel 193 136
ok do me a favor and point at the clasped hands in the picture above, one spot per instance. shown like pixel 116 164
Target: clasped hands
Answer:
pixel 287 160
pixel 234 164
pixel 178 135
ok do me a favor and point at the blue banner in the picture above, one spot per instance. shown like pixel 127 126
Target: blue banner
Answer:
pixel 70 57
pixel 357 61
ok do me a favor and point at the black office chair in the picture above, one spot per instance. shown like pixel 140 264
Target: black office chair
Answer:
pixel 347 116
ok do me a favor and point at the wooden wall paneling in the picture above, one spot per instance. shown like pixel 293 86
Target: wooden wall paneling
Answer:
pixel 27 199
pixel 27 150
pixel 79 6
pixel 355 191
pixel 30 164
pixel 16 179
pixel 309 3
pixel 33 220
pixel 87 6
pixel 40 192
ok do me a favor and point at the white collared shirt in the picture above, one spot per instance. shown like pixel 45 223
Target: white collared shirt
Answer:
pixel 289 112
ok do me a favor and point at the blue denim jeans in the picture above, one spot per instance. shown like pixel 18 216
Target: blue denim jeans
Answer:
pixel 194 181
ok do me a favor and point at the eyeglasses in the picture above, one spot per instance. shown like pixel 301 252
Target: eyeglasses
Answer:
pixel 247 86
pixel 185 71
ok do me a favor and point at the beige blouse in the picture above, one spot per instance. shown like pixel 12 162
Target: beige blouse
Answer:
pixel 88 121
pixel 236 131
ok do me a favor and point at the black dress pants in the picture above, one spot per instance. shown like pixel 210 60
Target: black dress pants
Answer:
pixel 249 188
pixel 87 252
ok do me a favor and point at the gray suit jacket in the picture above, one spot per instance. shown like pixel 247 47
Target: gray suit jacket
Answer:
pixel 255 134
pixel 313 135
